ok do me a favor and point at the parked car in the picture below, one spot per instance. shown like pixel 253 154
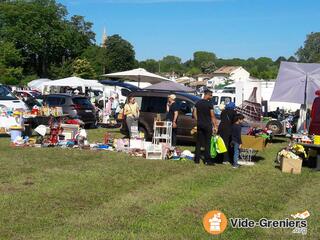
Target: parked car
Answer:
pixel 152 103
pixel 30 98
pixel 29 93
pixel 75 106
pixel 9 100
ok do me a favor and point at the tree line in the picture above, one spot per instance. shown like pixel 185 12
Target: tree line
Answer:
pixel 37 39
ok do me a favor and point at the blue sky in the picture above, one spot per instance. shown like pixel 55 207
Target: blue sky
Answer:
pixel 229 28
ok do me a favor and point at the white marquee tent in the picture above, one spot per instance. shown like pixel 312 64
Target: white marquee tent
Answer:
pixel 72 82
pixel 38 83
pixel 138 75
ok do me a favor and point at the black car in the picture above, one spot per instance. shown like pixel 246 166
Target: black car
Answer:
pixel 152 103
pixel 75 106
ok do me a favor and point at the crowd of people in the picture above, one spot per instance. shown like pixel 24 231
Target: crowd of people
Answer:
pixel 207 126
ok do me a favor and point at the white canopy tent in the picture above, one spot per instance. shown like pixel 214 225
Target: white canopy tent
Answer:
pixel 297 83
pixel 138 75
pixel 38 83
pixel 72 82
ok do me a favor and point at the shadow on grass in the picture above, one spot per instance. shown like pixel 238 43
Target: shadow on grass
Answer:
pixel 186 143
pixel 257 158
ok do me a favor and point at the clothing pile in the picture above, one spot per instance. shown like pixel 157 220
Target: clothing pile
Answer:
pixel 259 132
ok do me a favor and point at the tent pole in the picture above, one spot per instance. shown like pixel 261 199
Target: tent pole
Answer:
pixel 305 124
pixel 305 103
pixel 305 91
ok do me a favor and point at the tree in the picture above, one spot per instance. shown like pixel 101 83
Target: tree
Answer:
pixel 61 70
pixel 310 52
pixel 292 59
pixel 39 28
pixel 150 65
pixel 263 63
pixel 9 55
pixel 208 67
pixel 81 35
pixel 120 54
pixel 10 60
pixel 97 56
pixel 82 68
pixel 193 71
pixel 171 64
pixel 10 75
pixel 280 59
pixel 201 58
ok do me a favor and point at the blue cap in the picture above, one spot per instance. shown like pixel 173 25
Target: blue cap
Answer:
pixel 231 105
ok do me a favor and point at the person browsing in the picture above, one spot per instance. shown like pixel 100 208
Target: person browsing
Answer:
pixel 236 138
pixel 131 111
pixel 206 125
pixel 225 130
pixel 172 116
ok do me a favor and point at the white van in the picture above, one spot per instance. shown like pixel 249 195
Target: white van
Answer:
pixel 222 97
pixel 8 100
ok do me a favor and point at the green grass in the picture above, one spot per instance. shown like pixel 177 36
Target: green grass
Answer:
pixel 54 193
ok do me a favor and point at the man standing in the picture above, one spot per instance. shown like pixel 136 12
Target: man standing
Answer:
pixel 172 116
pixel 206 125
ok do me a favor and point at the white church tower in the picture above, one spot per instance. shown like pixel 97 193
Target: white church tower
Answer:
pixel 104 38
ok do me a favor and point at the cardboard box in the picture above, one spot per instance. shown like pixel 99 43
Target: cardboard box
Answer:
pixel 290 165
pixel 255 143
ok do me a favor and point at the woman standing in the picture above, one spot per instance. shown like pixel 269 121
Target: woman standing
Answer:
pixel 225 129
pixel 315 116
pixel 131 111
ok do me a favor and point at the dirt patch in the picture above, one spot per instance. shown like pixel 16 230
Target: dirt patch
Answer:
pixel 28 181
pixel 8 188
pixel 194 211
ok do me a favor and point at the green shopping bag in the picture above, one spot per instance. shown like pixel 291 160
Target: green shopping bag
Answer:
pixel 213 147
pixel 220 145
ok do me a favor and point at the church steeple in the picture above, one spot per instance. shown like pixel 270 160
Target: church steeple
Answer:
pixel 104 38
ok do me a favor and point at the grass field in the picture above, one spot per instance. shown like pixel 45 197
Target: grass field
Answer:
pixel 79 194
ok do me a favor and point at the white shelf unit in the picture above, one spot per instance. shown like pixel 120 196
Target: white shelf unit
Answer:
pixel 162 132
pixel 154 152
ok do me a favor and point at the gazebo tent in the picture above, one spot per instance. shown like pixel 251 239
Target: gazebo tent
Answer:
pixel 170 86
pixel 138 75
pixel 38 83
pixel 297 83
pixel 73 82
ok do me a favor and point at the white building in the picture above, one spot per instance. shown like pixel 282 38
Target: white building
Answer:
pixel 233 73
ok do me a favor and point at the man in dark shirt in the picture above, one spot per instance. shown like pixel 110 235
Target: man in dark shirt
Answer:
pixel 172 116
pixel 206 125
